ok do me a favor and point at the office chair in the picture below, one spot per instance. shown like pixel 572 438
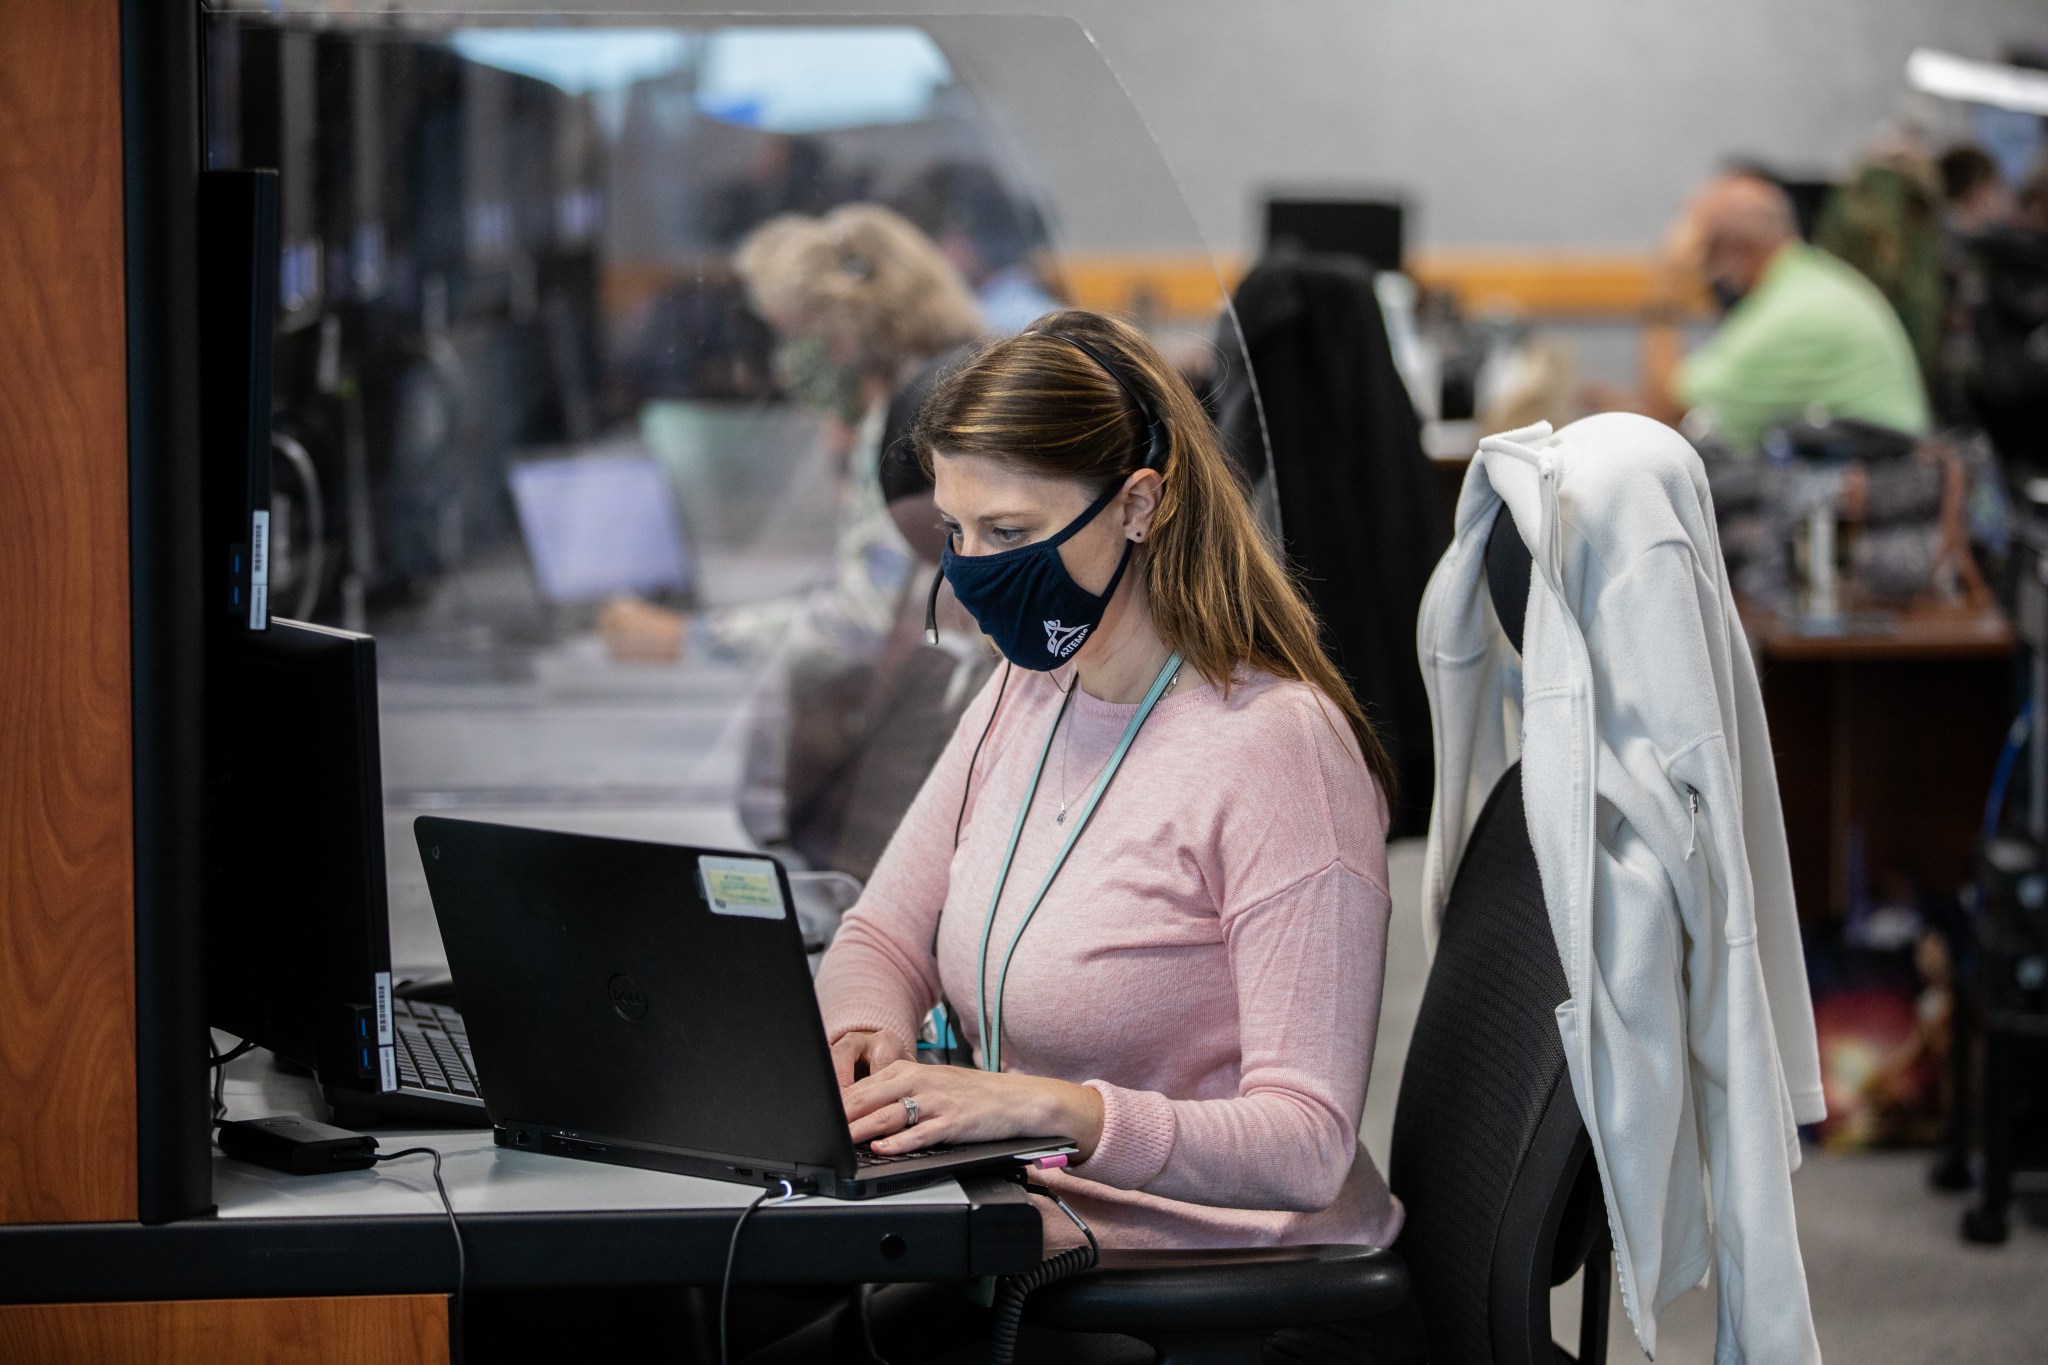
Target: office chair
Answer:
pixel 1490 1156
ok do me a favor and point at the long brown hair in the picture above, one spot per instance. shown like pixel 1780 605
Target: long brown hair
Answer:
pixel 1218 592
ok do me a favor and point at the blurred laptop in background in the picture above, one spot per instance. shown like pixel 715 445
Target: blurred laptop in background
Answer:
pixel 603 525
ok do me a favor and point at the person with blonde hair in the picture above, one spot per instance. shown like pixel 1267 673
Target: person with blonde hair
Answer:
pixel 1148 875
pixel 871 293
pixel 859 300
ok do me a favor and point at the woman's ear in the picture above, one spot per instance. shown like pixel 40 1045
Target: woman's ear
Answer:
pixel 1141 503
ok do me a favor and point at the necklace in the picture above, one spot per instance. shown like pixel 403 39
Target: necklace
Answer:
pixel 1067 741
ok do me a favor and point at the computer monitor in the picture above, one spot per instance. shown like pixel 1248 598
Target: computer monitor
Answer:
pixel 237 276
pixel 298 934
pixel 1370 229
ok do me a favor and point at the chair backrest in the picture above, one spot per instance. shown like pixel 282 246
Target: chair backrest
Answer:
pixel 1490 1155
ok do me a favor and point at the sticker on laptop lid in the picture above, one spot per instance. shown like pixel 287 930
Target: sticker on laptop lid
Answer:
pixel 742 886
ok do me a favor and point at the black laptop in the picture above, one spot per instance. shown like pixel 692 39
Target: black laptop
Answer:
pixel 650 1005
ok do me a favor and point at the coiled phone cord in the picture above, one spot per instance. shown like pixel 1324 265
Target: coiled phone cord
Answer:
pixel 1011 1290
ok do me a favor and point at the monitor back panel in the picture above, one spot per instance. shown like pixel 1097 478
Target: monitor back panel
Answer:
pixel 604 996
pixel 298 934
pixel 1369 229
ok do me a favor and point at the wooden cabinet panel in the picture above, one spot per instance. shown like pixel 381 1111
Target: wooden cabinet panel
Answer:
pixel 384 1329
pixel 1896 754
pixel 67 961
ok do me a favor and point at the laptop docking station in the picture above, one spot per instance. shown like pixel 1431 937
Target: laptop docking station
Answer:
pixel 297 1146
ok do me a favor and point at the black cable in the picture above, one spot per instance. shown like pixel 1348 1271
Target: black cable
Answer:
pixel 967 785
pixel 732 1253
pixel 461 1257
pixel 1008 1319
pixel 219 1062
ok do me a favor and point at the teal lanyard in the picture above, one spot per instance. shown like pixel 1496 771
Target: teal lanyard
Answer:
pixel 992 1020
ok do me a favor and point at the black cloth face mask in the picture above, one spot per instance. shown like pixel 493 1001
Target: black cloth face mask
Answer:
pixel 1026 601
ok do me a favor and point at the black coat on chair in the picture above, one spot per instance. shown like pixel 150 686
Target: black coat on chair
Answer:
pixel 1358 501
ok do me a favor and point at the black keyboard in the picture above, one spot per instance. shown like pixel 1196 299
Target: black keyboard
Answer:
pixel 432 1049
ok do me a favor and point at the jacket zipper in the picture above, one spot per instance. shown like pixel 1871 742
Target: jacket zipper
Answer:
pixel 1692 838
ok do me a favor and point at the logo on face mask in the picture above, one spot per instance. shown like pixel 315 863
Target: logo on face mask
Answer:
pixel 1063 640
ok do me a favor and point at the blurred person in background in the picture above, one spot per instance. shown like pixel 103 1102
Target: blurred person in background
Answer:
pixel 1887 220
pixel 1974 196
pixel 860 301
pixel 2000 312
pixel 989 234
pixel 786 175
pixel 1977 207
pixel 2030 213
pixel 1802 333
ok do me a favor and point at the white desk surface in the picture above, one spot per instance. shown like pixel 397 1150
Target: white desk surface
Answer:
pixel 481 1177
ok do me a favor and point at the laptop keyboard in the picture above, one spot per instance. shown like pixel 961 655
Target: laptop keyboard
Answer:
pixel 866 1159
pixel 433 1049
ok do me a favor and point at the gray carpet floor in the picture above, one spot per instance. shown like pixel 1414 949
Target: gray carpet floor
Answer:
pixel 1891 1281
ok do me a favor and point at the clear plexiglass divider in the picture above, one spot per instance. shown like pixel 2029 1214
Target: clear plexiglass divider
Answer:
pixel 597 340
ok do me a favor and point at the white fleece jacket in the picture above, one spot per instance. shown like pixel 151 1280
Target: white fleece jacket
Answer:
pixel 1653 809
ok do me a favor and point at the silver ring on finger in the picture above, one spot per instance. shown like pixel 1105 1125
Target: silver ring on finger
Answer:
pixel 910 1111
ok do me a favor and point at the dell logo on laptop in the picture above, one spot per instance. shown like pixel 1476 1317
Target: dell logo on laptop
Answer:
pixel 627 998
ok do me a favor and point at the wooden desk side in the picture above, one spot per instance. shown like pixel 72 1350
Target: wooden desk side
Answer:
pixel 1885 743
pixel 393 1329
pixel 67 944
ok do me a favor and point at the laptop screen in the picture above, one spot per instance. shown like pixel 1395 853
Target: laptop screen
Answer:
pixel 600 525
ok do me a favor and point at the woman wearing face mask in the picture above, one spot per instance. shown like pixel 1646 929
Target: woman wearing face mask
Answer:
pixel 860 300
pixel 1148 874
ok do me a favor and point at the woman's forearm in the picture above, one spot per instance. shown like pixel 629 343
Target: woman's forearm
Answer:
pixel 1071 1111
pixel 869 982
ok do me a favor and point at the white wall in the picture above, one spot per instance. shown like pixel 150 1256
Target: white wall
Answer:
pixel 1573 122
pixel 1507 122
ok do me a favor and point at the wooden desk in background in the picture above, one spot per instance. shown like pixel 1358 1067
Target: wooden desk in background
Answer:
pixel 1890 729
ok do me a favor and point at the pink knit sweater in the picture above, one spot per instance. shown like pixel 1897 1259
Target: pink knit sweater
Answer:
pixel 1209 959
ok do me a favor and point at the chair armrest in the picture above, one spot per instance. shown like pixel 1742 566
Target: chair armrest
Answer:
pixel 1261 1289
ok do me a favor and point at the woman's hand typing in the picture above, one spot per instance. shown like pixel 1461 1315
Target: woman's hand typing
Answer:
pixel 956 1104
pixel 864 1052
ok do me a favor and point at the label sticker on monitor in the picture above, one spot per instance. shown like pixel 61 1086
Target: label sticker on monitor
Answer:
pixel 383 989
pixel 387 1070
pixel 259 570
pixel 742 886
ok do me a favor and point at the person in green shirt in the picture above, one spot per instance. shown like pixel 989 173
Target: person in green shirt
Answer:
pixel 1806 335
